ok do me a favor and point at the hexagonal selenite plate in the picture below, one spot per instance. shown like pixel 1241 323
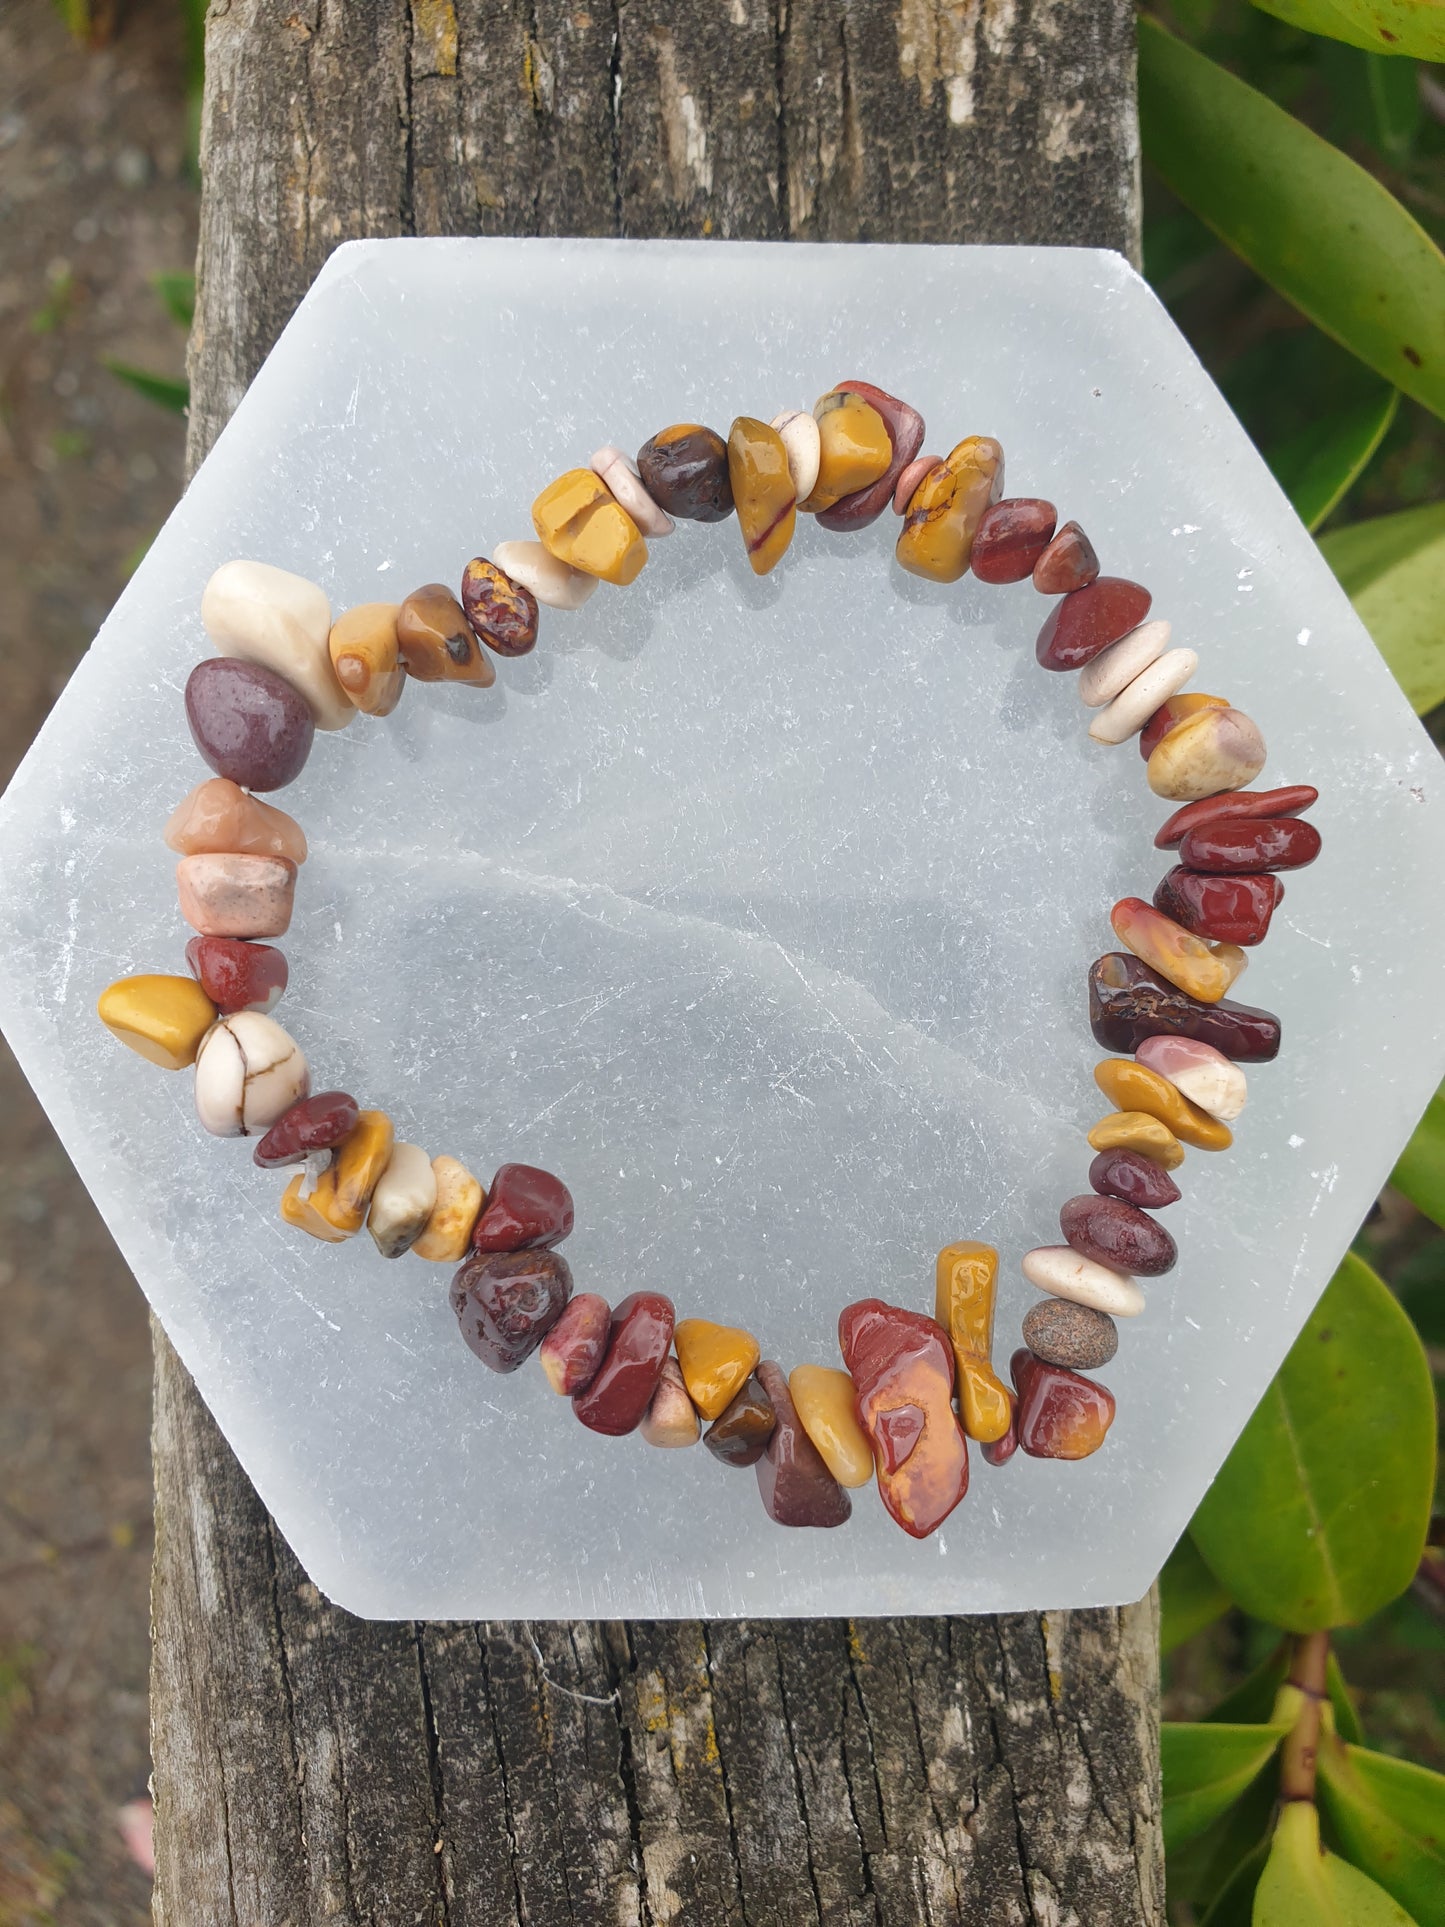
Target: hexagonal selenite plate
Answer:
pixel 761 910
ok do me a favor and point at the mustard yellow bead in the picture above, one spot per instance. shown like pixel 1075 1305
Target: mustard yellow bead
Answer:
pixel 716 1361
pixel 459 1202
pixel 762 486
pixel 1138 1131
pixel 297 1212
pixel 965 1286
pixel 366 658
pixel 162 1019
pixel 580 521
pixel 1134 1087
pixel 823 1398
pixel 854 447
pixel 944 511
pixel 343 1191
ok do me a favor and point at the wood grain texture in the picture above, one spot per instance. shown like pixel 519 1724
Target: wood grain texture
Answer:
pixel 313 1768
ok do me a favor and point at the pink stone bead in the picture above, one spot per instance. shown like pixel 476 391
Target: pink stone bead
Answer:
pixel 1205 1075
pixel 909 479
pixel 236 896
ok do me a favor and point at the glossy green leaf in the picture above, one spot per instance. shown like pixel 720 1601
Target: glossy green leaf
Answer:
pixel 1234 1905
pixel 1347 1718
pixel 1387 1817
pixel 1395 105
pixel 1364 551
pixel 1305 216
pixel 1387 26
pixel 178 295
pixel 1190 1597
pixel 175 395
pixel 1318 1516
pixel 1318 467
pixel 1393 569
pixel 1304 1886
pixel 1206 1768
pixel 1420 1173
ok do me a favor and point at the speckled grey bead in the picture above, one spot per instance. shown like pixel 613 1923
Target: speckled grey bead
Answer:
pixel 1074 1336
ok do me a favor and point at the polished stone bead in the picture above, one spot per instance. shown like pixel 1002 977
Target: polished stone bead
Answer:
pixel 162 1019
pixel 218 816
pixel 905 438
pixel 1224 909
pixel 1087 620
pixel 1171 711
pixel 526 1207
pixel 580 520
pixel 1061 1415
pixel 265 615
pixel 249 1073
pixel 796 1486
pixel 1117 1234
pixel 236 896
pixel 823 1399
pixel 574 1348
pixel 855 449
pixel 1250 848
pixel 1128 1002
pixel 803 443
pixel 625 485
pixel 1139 701
pixel 296 1210
pixel 365 657
pixel 946 508
pixel 534 568
pixel 1075 1336
pixel 502 613
pixel 1000 1450
pixel 685 470
pixel 507 1301
pixel 638 1340
pixel 909 478
pixel 1138 1131
pixel 436 640
pixel 762 486
pixel 342 1194
pixel 1061 1270
pixel 965 1284
pixel 1200 969
pixel 236 975
pixel 314 1124
pixel 740 1436
pixel 902 1366
pixel 248 723
pixel 716 1361
pixel 1010 538
pixel 1248 805
pixel 671 1417
pixel 1122 663
pixel 1134 1178
pixel 447 1234
pixel 1068 563
pixel 1212 750
pixel 403 1201
pixel 1202 1075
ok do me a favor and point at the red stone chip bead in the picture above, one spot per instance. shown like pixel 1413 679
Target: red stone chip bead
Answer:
pixel 1084 624
pixel 1011 537
pixel 1062 1414
pixel 506 1302
pixel 312 1124
pixel 1251 848
pixel 1291 800
pixel 1134 1178
pixel 572 1351
pixel 638 1341
pixel 1000 1450
pixel 797 1488
pixel 902 1365
pixel 526 1208
pixel 237 975
pixel 1129 1002
pixel 740 1434
pixel 905 436
pixel 1117 1234
pixel 1069 562
pixel 1224 909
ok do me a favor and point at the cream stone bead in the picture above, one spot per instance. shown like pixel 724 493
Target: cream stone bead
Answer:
pixel 448 1233
pixel 1127 714
pixel 403 1201
pixel 249 1071
pixel 627 488
pixel 803 444
pixel 1060 1269
pixel 283 622
pixel 1112 671
pixel 1210 752
pixel 532 566
pixel 1198 1072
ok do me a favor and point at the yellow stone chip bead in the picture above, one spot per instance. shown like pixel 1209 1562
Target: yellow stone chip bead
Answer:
pixel 1134 1087
pixel 944 511
pixel 366 658
pixel 965 1286
pixel 459 1202
pixel 581 522
pixel 299 1213
pixel 1138 1131
pixel 162 1019
pixel 343 1191
pixel 854 448
pixel 716 1361
pixel 762 486
pixel 823 1397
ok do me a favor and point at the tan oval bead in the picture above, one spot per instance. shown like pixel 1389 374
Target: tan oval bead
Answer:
pixel 1209 752
pixel 1128 712
pixel 162 1019
pixel 343 1191
pixel 297 1211
pixel 579 519
pixel 715 1360
pixel 236 896
pixel 946 508
pixel 220 818
pixel 762 486
pixel 1138 1131
pixel 1112 671
pixel 436 640
pixel 964 1288
pixel 403 1201
pixel 804 446
pixel 557 584
pixel 1134 1087
pixel 366 658
pixel 854 448
pixel 459 1203
pixel 670 1419
pixel 1066 1273
pixel 280 620
pixel 823 1399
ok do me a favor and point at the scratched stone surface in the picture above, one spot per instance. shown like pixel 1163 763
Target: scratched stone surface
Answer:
pixel 759 909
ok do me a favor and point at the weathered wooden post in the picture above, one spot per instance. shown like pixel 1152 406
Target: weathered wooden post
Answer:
pixel 310 1767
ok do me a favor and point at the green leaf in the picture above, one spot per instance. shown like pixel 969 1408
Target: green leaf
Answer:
pixel 1234 1906
pixel 1318 467
pixel 1305 216
pixel 178 294
pixel 1414 27
pixel 1387 1817
pixel 1347 1719
pixel 1318 1516
pixel 1190 1597
pixel 1393 569
pixel 1420 1173
pixel 1395 104
pixel 1252 1701
pixel 1202 1869
pixel 1364 551
pixel 1304 1886
pixel 1206 1769
pixel 175 395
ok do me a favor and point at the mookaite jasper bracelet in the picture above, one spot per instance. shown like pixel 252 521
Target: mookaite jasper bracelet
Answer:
pixel 284 669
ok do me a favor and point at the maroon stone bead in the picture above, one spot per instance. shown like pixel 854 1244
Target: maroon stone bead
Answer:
pixel 1069 562
pixel 1225 909
pixel 248 722
pixel 905 434
pixel 740 1434
pixel 1084 624
pixel 501 612
pixel 1129 1002
pixel 1250 805
pixel 572 1351
pixel 796 1487
pixel 1011 537
pixel 637 1343
pixel 312 1124
pixel 506 1302
pixel 237 975
pixel 1134 1178
pixel 999 1451
pixel 902 1365
pixel 526 1208
pixel 1117 1234
pixel 1062 1415
pixel 1245 848
pixel 685 470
